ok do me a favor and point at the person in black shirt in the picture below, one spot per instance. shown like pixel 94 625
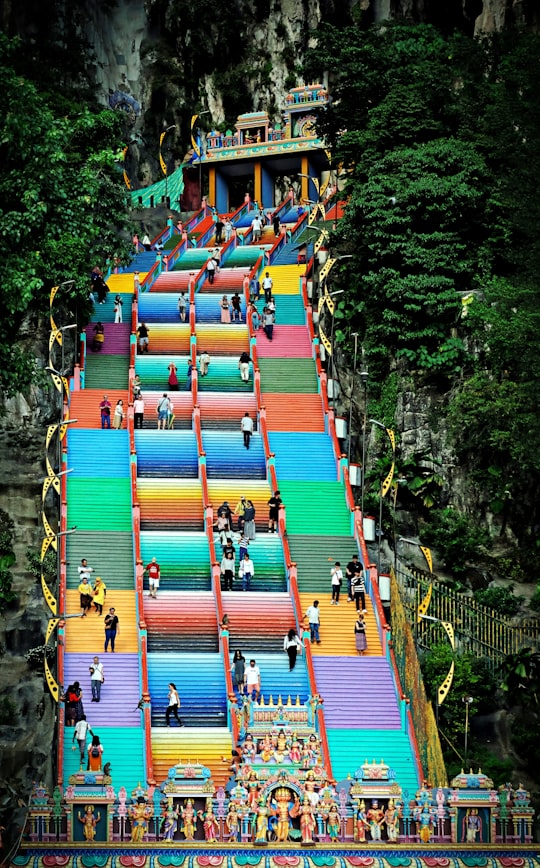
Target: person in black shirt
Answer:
pixel 112 627
pixel 273 516
pixel 354 567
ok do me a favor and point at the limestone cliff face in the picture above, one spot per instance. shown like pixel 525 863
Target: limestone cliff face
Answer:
pixel 129 38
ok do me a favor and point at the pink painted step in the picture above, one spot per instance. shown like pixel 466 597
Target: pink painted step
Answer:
pixel 288 342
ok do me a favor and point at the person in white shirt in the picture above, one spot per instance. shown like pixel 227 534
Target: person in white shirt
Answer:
pixel 246 571
pixel 97 678
pixel 252 680
pixel 293 646
pixel 314 617
pixel 267 285
pixel 256 225
pixel 80 733
pixel 336 574
pixel 138 411
pixel 85 572
pixel 246 426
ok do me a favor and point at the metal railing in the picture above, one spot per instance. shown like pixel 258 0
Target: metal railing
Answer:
pixel 478 629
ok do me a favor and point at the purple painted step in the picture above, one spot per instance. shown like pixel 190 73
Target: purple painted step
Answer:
pixel 119 694
pixel 358 692
pixel 116 338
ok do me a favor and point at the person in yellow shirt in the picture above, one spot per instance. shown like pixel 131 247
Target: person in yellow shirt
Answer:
pixel 100 590
pixel 86 593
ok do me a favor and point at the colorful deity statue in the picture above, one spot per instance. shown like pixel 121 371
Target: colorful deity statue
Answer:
pixel 139 814
pixel 391 819
pixel 89 821
pixel 308 823
pixel 310 784
pixel 170 821
pixel 280 751
pixel 232 822
pixel 249 750
pixel 333 823
pixel 424 820
pixel 266 749
pixel 295 751
pixel 189 820
pixel 472 826
pixel 260 821
pixel 252 784
pixel 375 818
pixel 210 823
pixel 361 823
pixel 281 807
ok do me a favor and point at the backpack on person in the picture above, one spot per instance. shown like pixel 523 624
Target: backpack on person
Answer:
pixel 94 752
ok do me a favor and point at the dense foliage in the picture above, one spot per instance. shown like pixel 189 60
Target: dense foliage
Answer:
pixel 62 201
pixel 439 140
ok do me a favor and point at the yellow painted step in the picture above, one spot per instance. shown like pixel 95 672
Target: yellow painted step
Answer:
pixel 337 627
pixel 286 278
pixel 85 635
pixel 123 283
pixel 211 746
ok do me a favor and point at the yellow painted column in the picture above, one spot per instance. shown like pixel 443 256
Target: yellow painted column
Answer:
pixel 304 191
pixel 211 185
pixel 257 182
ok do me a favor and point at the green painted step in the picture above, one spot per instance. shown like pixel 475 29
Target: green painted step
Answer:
pixel 192 259
pixel 311 554
pixel 123 748
pixel 348 752
pixel 288 375
pixel 315 508
pixel 99 504
pixel 243 256
pixel 106 372
pixel 289 310
pixel 110 555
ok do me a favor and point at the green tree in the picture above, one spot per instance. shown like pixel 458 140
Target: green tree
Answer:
pixel 62 202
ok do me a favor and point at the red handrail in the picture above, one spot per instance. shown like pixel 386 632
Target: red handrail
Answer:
pixel 293 588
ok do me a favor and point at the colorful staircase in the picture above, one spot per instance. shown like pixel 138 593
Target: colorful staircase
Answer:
pixel 181 475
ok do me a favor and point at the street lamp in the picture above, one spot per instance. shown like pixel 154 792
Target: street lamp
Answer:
pixel 468 700
pixel 364 377
pixel 162 162
pixel 385 484
pixel 58 335
pixel 355 336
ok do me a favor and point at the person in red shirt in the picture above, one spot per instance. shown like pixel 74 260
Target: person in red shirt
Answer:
pixel 153 570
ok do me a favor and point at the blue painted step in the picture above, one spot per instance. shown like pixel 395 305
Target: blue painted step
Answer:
pixel 160 307
pixel 226 455
pixel 303 456
pixel 179 459
pixel 200 683
pixel 90 454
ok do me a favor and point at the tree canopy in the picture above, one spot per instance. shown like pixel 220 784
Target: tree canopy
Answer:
pixel 439 141
pixel 62 202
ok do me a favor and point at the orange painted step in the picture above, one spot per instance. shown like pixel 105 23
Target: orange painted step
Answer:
pixel 224 409
pixel 244 611
pixel 182 404
pixel 337 627
pixel 293 412
pixel 84 405
pixel 195 744
pixel 181 613
pixel 87 635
